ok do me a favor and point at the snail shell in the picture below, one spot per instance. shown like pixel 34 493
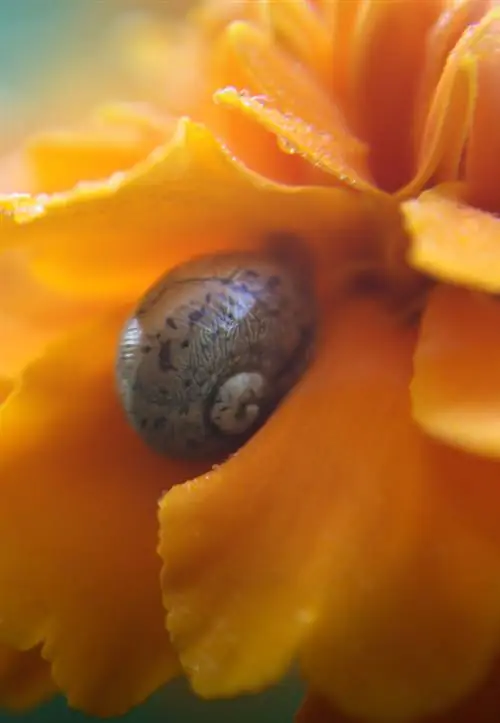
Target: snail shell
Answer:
pixel 211 350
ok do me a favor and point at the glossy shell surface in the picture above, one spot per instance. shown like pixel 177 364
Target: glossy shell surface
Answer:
pixel 212 349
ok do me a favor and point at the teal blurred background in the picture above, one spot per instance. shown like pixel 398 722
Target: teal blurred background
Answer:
pixel 50 48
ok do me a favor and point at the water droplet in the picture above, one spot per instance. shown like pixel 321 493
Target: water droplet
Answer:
pixel 286 146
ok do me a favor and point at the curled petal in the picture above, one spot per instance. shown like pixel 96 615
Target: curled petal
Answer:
pixel 456 388
pixel 111 240
pixel 78 530
pixel 449 114
pixel 452 241
pixel 481 167
pixel 248 548
pixel 300 28
pixel 384 91
pixel 333 519
pixel 288 102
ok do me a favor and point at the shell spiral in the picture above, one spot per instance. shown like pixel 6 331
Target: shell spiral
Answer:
pixel 212 349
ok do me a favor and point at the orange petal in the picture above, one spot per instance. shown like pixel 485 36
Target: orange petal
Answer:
pixel 238 612
pixel 25 679
pixel 456 389
pixel 450 111
pixel 452 241
pixel 116 139
pixel 290 104
pixel 281 552
pixel 78 529
pixel 481 166
pixel 385 91
pixel 111 240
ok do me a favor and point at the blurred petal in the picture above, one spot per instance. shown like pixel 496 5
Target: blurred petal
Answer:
pixel 300 28
pixel 341 17
pixel 111 240
pixel 117 138
pixel 385 91
pixel 452 241
pixel 78 528
pixel 291 105
pixel 25 679
pixel 481 165
pixel 456 388
pixel 15 174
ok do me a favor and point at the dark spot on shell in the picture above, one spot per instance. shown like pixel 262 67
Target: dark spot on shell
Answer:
pixel 195 316
pixel 165 357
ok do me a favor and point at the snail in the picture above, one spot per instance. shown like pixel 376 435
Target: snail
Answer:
pixel 211 350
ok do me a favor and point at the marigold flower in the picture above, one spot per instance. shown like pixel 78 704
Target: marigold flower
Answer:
pixel 357 531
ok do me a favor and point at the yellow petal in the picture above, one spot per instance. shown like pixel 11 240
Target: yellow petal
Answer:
pixel 456 388
pixel 290 104
pixel 25 679
pixel 78 529
pixel 385 90
pixel 453 241
pixel 111 240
